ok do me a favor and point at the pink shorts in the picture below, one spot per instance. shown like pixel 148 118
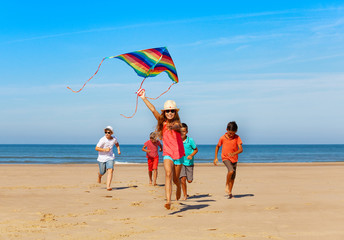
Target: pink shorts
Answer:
pixel 152 163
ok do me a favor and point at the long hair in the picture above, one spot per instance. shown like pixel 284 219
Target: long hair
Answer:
pixel 163 119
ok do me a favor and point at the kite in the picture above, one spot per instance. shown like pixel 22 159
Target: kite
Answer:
pixel 146 63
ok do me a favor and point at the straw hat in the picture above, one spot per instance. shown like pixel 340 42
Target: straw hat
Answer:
pixel 170 104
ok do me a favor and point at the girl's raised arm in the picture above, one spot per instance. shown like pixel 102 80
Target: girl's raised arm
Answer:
pixel 149 105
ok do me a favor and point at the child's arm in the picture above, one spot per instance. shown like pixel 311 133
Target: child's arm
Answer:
pixel 149 105
pixel 237 152
pixel 99 149
pixel 118 149
pixel 145 150
pixel 193 153
pixel 160 147
pixel 216 152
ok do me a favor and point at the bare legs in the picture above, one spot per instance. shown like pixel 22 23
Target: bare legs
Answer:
pixel 229 183
pixel 176 180
pixel 153 175
pixel 168 165
pixel 171 172
pixel 150 177
pixel 108 179
pixel 183 183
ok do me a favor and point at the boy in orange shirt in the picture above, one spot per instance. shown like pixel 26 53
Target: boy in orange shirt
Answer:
pixel 231 147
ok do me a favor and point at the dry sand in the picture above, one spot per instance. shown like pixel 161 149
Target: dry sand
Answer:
pixel 272 201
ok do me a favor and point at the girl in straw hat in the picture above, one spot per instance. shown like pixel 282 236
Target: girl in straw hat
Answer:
pixel 168 128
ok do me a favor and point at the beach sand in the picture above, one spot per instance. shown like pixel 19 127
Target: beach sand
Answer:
pixel 271 201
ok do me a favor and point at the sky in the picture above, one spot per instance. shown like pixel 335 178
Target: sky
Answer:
pixel 276 68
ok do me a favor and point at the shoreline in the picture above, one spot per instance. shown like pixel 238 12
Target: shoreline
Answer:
pixel 334 163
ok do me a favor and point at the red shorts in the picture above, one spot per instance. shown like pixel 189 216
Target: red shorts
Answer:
pixel 152 163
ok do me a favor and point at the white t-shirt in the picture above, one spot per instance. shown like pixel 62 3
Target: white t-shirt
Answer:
pixel 106 143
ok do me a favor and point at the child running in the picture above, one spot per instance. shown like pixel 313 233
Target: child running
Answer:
pixel 188 164
pixel 168 128
pixel 106 156
pixel 231 147
pixel 151 149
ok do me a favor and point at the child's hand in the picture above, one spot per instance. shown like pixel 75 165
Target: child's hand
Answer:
pixel 216 161
pixel 106 149
pixel 189 157
pixel 231 154
pixel 142 93
pixel 119 152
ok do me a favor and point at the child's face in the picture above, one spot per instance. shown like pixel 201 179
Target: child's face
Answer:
pixel 170 114
pixel 108 133
pixel 153 140
pixel 231 134
pixel 183 133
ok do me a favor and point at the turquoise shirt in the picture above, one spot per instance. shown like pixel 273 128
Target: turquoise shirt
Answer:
pixel 189 147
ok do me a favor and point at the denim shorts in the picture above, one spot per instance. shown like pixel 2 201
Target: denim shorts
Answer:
pixel 103 166
pixel 177 161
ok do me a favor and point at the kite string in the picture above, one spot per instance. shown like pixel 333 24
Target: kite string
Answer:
pixel 137 97
pixel 162 93
pixel 89 78
pixel 137 100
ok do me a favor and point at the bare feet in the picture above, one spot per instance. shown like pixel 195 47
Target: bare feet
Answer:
pixel 155 184
pixel 184 198
pixel 168 206
pixel 99 178
pixel 109 189
pixel 227 189
pixel 230 196
pixel 150 183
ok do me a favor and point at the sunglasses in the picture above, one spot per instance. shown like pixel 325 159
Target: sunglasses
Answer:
pixel 107 132
pixel 172 111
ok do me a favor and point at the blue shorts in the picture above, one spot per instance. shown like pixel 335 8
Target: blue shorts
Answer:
pixel 177 161
pixel 103 166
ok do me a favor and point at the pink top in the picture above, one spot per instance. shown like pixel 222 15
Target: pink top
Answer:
pixel 173 143
pixel 153 147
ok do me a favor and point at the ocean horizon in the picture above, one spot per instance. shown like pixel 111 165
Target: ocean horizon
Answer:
pixel 132 153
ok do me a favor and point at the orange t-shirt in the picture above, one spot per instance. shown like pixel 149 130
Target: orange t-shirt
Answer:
pixel 172 143
pixel 229 145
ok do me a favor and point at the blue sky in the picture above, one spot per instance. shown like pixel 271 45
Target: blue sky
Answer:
pixel 275 68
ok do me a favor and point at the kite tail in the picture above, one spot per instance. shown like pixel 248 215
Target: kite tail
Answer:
pixel 162 93
pixel 88 79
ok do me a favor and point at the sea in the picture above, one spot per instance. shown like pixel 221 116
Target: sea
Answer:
pixel 85 154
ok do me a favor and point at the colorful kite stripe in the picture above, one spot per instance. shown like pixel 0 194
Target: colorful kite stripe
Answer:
pixel 151 62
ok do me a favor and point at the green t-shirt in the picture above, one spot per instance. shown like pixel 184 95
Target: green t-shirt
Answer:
pixel 189 147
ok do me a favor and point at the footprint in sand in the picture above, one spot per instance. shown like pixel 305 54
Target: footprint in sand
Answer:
pixel 271 208
pixel 48 217
pixel 136 204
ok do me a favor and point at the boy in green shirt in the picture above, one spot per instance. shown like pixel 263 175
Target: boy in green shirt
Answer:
pixel 188 165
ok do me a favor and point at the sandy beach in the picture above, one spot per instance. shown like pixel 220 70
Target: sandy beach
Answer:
pixel 271 201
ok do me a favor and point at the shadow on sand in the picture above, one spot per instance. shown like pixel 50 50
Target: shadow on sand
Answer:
pixel 243 195
pixel 189 207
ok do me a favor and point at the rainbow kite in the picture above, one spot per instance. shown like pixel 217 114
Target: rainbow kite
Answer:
pixel 146 63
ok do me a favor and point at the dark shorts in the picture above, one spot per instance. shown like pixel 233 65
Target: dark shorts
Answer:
pixel 187 171
pixel 231 167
